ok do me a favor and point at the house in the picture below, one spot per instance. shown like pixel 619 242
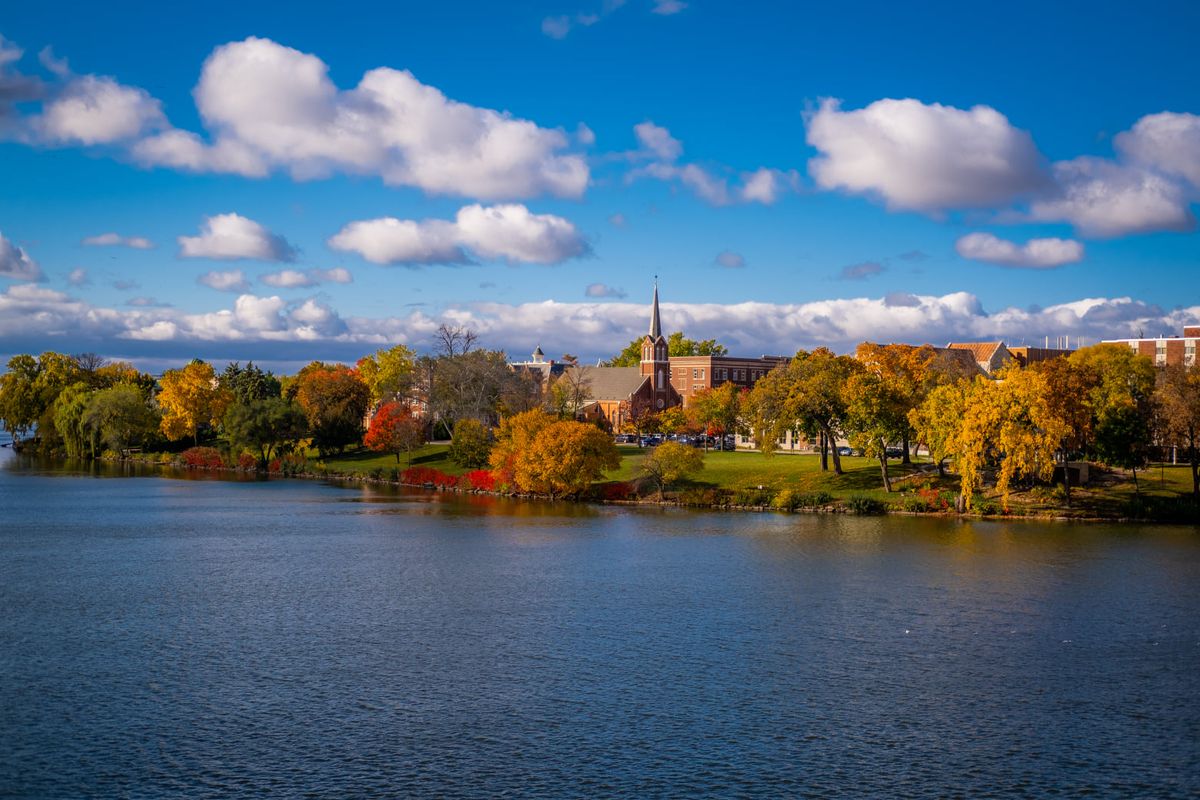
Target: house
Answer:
pixel 990 357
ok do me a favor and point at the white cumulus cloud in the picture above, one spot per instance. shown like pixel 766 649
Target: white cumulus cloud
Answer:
pixel 1167 142
pixel 1104 199
pixel 923 157
pixel 232 236
pixel 117 240
pixel 267 106
pixel 94 109
pixel 292 278
pixel 510 232
pixel 229 281
pixel 16 264
pixel 1034 254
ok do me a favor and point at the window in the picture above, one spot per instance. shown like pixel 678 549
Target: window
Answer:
pixel 1189 352
pixel 695 373
pixel 1160 352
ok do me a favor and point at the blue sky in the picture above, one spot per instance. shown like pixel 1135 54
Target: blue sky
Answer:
pixel 800 175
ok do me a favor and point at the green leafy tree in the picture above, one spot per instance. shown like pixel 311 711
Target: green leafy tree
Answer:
pixel 267 426
pixel 388 373
pixel 677 346
pixel 1123 435
pixel 249 383
pixel 670 462
pixel 876 415
pixel 471 445
pixel 69 411
pixel 806 395
pixel 119 418
pixel 20 404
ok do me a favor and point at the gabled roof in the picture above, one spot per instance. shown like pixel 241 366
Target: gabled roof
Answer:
pixel 613 383
pixel 980 351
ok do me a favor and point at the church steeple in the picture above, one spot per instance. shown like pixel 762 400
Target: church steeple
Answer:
pixel 656 363
pixel 655 326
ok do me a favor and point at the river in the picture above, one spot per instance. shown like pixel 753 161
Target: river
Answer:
pixel 183 636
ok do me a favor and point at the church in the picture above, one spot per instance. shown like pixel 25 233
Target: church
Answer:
pixel 622 394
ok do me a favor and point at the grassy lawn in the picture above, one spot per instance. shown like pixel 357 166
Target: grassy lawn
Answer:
pixel 797 471
pixel 363 460
pixel 1109 493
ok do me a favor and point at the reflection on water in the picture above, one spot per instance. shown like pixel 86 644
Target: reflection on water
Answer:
pixel 195 636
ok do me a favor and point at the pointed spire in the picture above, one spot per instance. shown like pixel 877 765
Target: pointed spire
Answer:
pixel 655 327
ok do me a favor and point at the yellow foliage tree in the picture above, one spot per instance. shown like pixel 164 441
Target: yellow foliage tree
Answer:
pixel 514 436
pixel 1009 423
pixel 564 458
pixel 191 397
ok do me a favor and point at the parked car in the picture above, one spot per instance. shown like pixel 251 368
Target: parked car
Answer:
pixel 895 452
pixel 845 451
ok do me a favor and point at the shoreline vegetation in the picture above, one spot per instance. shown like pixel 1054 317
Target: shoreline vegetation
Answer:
pixel 748 482
pixel 1079 436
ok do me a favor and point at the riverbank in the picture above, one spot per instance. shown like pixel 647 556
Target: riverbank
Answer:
pixel 746 481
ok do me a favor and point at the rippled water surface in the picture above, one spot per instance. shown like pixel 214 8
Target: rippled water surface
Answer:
pixel 194 638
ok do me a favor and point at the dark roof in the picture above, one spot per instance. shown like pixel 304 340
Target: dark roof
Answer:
pixel 613 383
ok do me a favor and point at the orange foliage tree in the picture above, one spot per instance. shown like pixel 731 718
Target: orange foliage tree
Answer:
pixel 395 429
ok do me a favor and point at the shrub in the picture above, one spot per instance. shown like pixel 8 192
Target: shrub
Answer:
pixel 471 444
pixel 393 475
pixel 863 505
pixel 376 473
pixel 202 458
pixel 790 500
pixel 702 497
pixel 480 480
pixel 291 465
pixel 752 497
pixel 247 462
pixel 618 490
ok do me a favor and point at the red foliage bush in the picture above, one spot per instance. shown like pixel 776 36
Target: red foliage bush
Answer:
pixel 481 480
pixel 207 457
pixel 618 490
pixel 933 499
pixel 428 476
pixel 247 462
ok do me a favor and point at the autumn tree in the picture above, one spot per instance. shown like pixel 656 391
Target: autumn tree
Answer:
pixel 806 395
pixel 267 426
pixel 190 398
pixel 514 436
pixel 876 415
pixel 1178 402
pixel 564 458
pixel 671 462
pixel 1010 424
pixel 470 385
pixel 1119 385
pixel 677 420
pixel 20 405
pixel 335 401
pixel 471 444
pixel 911 373
pixel 938 420
pixel 395 429
pixel 388 373
pixel 718 410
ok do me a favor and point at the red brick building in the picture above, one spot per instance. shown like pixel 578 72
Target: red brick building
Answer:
pixel 663 381
pixel 1166 350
